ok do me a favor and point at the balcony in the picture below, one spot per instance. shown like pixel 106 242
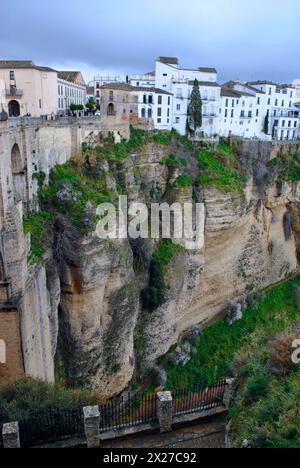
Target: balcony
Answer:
pixel 209 114
pixel 13 93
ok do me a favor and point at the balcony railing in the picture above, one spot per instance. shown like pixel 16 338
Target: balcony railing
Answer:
pixel 13 93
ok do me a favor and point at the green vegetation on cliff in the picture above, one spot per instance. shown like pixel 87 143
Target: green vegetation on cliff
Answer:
pixel 219 168
pixel 257 350
pixel 267 408
pixel 24 398
pixel 155 294
pixel 286 166
pixel 217 345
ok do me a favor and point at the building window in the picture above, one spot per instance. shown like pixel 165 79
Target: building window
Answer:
pixel 12 75
pixel 269 102
pixel 40 103
pixel 232 102
pixel 149 113
pixel 145 99
pixel 258 100
pixel 111 95
pixel 226 103
pixel 168 114
pixel 283 123
pixel 169 100
pixel 110 109
pixel 150 99
pixel 257 113
pixel 178 107
pixel 159 111
pixel 232 113
pixel 159 121
pixel 270 91
pixel 177 120
pixel 159 100
pixel 290 104
pixel 143 113
pixel 226 113
pixel 165 74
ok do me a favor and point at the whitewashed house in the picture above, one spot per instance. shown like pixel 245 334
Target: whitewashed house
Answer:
pixel 242 111
pixel 146 80
pixel 156 104
pixel 279 102
pixel 179 82
pixel 71 89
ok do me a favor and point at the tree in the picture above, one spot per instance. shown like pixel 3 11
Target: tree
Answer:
pixel 266 124
pixel 195 108
pixel 90 105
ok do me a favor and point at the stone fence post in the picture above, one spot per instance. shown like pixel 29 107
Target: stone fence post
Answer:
pixel 92 426
pixel 10 435
pixel 228 393
pixel 164 411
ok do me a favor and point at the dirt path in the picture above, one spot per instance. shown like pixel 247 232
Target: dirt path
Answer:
pixel 205 435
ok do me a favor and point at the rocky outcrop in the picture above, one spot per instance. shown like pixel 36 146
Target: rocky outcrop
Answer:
pixel 105 336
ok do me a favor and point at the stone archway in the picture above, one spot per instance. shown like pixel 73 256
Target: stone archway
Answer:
pixel 14 109
pixel 17 174
pixel 110 109
pixel 16 159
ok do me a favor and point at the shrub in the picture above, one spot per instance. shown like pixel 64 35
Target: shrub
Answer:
pixel 154 295
pixel 256 387
pixel 38 226
pixel 22 399
pixel 184 181
pixel 220 170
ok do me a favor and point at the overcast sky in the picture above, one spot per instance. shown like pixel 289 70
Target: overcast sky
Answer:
pixel 259 39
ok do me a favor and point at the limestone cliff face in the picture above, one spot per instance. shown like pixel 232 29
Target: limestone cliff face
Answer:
pixel 104 333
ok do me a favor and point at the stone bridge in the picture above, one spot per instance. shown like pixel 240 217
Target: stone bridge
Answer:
pixel 27 146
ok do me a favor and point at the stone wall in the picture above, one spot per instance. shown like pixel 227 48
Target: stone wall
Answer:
pixel 27 146
pixel 10 333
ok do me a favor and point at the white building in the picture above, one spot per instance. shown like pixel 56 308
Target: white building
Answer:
pixel 147 80
pixel 242 111
pixel 156 104
pixel 71 89
pixel 245 106
pixel 179 82
pixel 279 103
pixel 237 109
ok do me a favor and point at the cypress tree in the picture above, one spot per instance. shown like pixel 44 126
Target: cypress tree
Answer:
pixel 266 124
pixel 195 108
